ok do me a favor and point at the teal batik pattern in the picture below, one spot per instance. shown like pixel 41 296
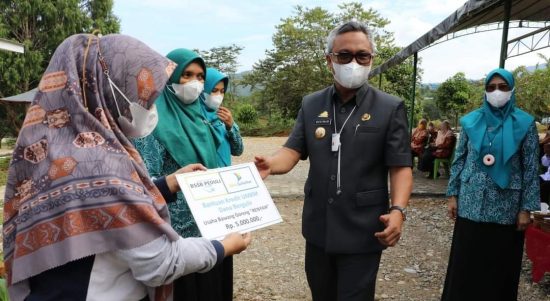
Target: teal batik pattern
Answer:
pixel 479 197
pixel 159 163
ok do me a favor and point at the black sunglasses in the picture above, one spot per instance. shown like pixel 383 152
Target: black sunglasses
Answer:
pixel 502 87
pixel 362 58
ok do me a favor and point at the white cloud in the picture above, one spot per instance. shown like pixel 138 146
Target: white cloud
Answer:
pixel 169 24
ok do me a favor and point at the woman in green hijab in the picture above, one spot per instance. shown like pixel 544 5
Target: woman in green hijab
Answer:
pixel 220 118
pixel 182 137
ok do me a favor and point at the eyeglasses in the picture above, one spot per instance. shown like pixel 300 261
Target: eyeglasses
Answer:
pixel 502 87
pixel 362 58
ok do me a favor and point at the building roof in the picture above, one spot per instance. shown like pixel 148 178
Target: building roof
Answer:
pixel 472 13
pixel 23 97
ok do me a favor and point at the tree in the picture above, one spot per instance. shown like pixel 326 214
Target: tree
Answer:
pixel 533 89
pixel 6 123
pixel 40 26
pixel 297 64
pixel 398 79
pixel 452 96
pixel 223 58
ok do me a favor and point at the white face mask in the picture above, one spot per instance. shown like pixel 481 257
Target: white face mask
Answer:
pixel 143 121
pixel 188 92
pixel 351 75
pixel 213 101
pixel 498 98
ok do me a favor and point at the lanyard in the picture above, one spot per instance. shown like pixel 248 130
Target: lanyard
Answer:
pixel 336 145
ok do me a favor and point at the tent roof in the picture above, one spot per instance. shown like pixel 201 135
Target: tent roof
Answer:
pixel 472 13
pixel 23 97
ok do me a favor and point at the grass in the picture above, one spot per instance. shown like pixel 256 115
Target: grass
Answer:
pixel 264 128
pixel 4 164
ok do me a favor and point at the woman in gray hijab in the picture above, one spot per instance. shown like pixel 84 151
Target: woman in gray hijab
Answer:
pixel 82 219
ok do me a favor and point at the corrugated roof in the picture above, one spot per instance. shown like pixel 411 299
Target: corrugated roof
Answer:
pixel 23 97
pixel 472 13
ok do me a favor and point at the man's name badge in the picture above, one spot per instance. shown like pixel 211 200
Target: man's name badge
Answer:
pixel 335 142
pixel 320 133
pixel 324 121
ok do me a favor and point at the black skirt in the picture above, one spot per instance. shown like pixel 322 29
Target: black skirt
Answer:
pixel 214 285
pixel 485 262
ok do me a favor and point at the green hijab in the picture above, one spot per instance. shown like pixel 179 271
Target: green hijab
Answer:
pixel 508 126
pixel 182 128
pixel 212 78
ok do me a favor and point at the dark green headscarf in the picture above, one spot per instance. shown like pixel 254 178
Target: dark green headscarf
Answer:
pixel 182 128
pixel 508 125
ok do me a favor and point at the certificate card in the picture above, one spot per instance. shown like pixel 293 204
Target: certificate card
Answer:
pixel 228 199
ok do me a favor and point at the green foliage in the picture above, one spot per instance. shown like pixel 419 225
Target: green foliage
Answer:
pixel 40 26
pixel 3 290
pixel 224 58
pixel 246 114
pixel 4 162
pixel 297 65
pixel 452 96
pixel 4 165
pixel 533 90
pixel 6 126
pixel 10 142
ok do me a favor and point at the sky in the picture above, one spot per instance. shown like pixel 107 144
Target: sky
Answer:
pixel 169 24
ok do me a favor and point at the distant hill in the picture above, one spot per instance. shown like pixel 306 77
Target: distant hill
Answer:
pixel 431 86
pixel 434 86
pixel 243 91
pixel 533 68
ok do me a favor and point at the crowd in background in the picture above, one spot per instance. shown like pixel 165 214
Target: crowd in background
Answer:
pixel 429 143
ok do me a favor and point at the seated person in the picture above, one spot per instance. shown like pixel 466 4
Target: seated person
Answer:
pixel 432 134
pixel 545 177
pixel 544 138
pixel 419 139
pixel 442 147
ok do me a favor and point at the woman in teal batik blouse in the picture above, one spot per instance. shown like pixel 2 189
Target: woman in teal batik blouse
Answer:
pixel 221 119
pixel 183 136
pixel 492 188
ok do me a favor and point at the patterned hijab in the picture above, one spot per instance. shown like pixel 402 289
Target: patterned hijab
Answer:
pixel 498 131
pixel 76 186
pixel 182 128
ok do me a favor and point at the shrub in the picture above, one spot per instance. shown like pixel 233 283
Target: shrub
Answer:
pixel 247 114
pixel 9 142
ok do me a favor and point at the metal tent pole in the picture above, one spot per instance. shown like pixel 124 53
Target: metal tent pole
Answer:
pixel 504 43
pixel 413 96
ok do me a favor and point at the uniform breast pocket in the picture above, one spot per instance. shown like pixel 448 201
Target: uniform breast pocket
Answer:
pixel 363 129
pixel 366 137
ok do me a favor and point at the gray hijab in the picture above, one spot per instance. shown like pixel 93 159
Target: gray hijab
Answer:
pixel 76 186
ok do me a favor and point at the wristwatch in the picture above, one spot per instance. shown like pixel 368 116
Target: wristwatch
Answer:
pixel 401 209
